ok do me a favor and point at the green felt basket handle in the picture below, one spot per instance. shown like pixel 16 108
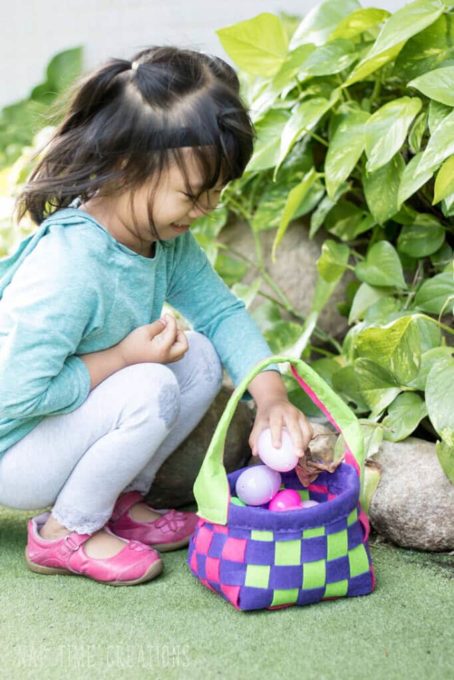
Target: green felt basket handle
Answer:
pixel 211 488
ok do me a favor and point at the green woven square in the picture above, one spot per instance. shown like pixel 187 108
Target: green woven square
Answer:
pixel 257 576
pixel 338 589
pixel 304 494
pixel 352 518
pixel 314 574
pixel 359 562
pixel 287 552
pixel 337 544
pixel 262 535
pixel 284 596
pixel 311 533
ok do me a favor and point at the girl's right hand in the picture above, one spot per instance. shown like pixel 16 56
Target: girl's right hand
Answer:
pixel 160 342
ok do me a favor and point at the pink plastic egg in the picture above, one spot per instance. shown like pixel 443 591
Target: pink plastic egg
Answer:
pixel 257 485
pixel 288 499
pixel 282 459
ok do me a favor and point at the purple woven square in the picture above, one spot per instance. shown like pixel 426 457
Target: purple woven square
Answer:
pixel 285 577
pixel 232 573
pixel 337 570
pixel 260 552
pixel 360 585
pixel 201 559
pixel 314 549
pixel 310 596
pixel 355 535
pixel 255 598
pixel 217 544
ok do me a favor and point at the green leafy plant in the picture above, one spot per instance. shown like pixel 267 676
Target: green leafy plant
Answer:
pixel 354 115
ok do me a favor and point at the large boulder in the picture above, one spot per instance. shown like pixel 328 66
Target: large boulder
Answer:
pixel 413 505
pixel 172 486
pixel 294 270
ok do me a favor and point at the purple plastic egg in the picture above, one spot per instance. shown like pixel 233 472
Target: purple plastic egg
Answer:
pixel 257 485
pixel 288 499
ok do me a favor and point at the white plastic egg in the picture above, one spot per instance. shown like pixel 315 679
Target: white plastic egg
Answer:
pixel 282 459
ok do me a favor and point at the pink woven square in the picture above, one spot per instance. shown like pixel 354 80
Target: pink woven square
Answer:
pixel 321 488
pixel 234 549
pixel 212 569
pixel 205 583
pixel 220 529
pixel 203 540
pixel 232 593
pixel 331 496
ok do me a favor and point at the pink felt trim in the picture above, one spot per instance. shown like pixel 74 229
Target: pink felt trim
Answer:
pixel 314 398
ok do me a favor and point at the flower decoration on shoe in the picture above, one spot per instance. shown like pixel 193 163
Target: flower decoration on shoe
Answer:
pixel 170 531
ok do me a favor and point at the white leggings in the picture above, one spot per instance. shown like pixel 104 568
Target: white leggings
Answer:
pixel 115 441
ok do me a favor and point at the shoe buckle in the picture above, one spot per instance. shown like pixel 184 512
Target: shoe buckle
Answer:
pixel 71 544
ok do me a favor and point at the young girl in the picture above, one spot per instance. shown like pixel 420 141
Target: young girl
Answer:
pixel 96 389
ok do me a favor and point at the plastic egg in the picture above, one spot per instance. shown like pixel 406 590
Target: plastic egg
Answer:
pixel 257 485
pixel 282 459
pixel 288 499
pixel 309 504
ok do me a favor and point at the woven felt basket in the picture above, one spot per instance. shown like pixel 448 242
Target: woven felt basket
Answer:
pixel 259 559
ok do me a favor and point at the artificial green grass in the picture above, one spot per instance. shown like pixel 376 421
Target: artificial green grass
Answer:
pixel 57 626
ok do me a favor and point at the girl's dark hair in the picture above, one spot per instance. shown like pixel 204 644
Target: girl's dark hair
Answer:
pixel 124 123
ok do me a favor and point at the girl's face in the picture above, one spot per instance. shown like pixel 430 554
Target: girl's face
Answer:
pixel 173 208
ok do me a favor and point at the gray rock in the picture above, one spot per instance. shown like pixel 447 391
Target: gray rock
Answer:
pixel 413 505
pixel 294 271
pixel 173 484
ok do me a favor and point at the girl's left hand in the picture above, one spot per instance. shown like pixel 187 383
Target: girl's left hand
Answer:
pixel 278 413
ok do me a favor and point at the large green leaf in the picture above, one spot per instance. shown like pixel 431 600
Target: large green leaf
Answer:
pixel 440 398
pixel 364 298
pixel 345 149
pixel 437 84
pixel 426 50
pixel 413 178
pixel 258 45
pixel 444 181
pixel 357 22
pixel 285 77
pixel 346 383
pixel 395 347
pixel 294 200
pixel 416 133
pixel 378 387
pixel 440 146
pixel 303 119
pixel 333 57
pixel 387 128
pixel 421 238
pixel 347 220
pixel 437 113
pixel 333 260
pixel 321 21
pixel 400 26
pixel 404 415
pixel 63 69
pixel 269 131
pixel 382 267
pixel 445 453
pixel 381 189
pixel 428 360
pixel 436 294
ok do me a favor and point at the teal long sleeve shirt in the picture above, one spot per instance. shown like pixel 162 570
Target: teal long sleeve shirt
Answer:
pixel 71 288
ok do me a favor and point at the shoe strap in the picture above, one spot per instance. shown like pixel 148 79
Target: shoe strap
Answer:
pixel 124 502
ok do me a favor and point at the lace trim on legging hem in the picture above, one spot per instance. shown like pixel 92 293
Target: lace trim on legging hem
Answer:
pixel 77 521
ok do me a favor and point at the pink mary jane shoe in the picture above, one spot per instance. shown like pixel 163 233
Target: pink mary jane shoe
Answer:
pixel 169 532
pixel 135 563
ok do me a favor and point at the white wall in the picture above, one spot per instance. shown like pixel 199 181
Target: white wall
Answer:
pixel 34 30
